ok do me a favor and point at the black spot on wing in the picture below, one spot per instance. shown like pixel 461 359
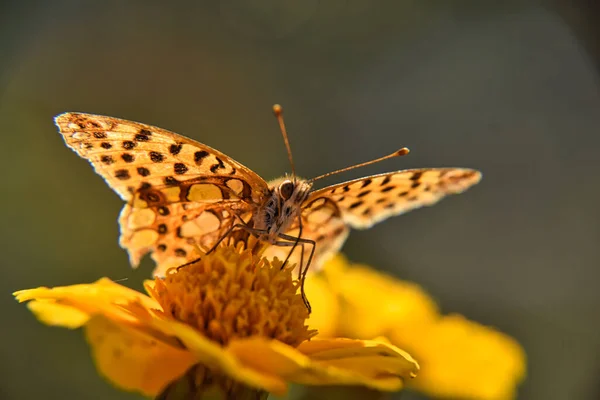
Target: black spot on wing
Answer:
pixel 356 204
pixel 107 159
pixel 122 174
pixel 199 155
pixel 180 168
pixel 169 180
pixel 163 210
pixel 156 157
pixel 366 182
pixel 143 171
pixel 175 148
pixel 416 176
pixel 150 197
pixel 127 157
pixel 219 165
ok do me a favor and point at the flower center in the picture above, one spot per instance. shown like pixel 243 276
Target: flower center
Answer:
pixel 233 293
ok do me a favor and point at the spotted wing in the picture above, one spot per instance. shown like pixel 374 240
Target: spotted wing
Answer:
pixel 176 233
pixel 367 201
pixel 328 213
pixel 181 194
pixel 132 156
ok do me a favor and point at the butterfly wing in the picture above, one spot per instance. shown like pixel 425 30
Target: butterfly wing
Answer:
pixel 329 212
pixel 367 201
pixel 175 233
pixel 180 193
pixel 130 156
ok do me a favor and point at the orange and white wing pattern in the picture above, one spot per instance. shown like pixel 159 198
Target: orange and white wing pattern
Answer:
pixel 367 201
pixel 175 233
pixel 176 188
pixel 328 213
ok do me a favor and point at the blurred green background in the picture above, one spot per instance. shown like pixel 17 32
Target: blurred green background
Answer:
pixel 510 88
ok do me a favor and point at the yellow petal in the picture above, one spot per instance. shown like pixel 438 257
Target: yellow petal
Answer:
pixel 463 359
pixel 213 355
pixel 356 354
pixel 102 290
pixel 331 362
pixel 134 360
pixel 101 297
pixel 335 267
pixel 459 358
pixel 391 304
pixel 55 314
pixel 325 306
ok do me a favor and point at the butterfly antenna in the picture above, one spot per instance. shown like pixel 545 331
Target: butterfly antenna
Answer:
pixel 278 111
pixel 402 152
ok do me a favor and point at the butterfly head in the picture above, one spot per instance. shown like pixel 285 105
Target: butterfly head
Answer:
pixel 282 206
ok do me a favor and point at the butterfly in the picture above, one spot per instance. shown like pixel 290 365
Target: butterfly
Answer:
pixel 181 194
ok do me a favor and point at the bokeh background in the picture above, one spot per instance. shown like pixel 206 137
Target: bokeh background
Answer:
pixel 510 88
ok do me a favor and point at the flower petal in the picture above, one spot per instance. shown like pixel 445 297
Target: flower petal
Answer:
pixel 103 290
pixel 103 287
pixel 70 306
pixel 331 362
pixel 134 360
pixel 463 359
pixel 213 355
pixel 459 358
pixel 55 314
pixel 325 307
pixel 391 305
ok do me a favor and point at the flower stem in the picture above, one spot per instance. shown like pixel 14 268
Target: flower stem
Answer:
pixel 200 383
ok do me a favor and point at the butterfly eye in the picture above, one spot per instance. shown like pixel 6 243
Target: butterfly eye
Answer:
pixel 286 189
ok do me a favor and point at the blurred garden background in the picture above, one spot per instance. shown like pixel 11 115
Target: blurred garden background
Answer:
pixel 510 88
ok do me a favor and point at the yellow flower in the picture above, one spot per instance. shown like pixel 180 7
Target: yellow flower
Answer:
pixel 231 324
pixel 458 358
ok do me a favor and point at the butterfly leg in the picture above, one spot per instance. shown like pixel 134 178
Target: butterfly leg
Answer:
pixel 226 234
pixel 297 240
pixel 302 270
pixel 301 266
